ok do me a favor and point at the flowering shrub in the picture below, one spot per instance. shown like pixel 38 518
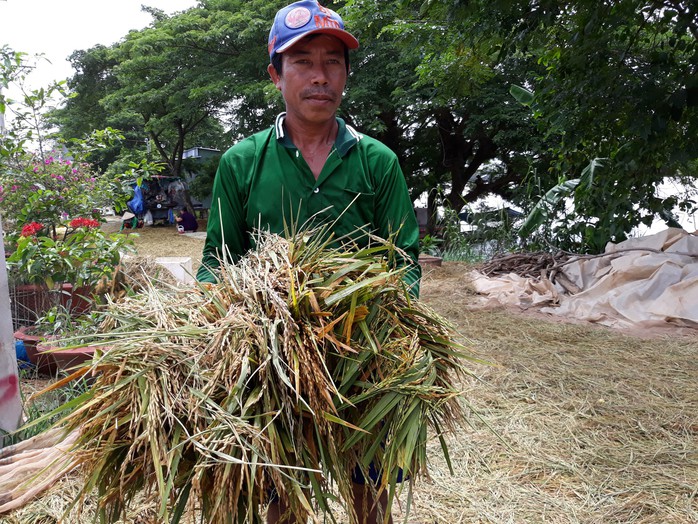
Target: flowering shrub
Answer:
pixel 81 254
pixel 51 210
pixel 50 201
pixel 52 190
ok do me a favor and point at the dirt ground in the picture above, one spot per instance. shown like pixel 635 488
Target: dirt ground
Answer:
pixel 572 423
pixel 165 241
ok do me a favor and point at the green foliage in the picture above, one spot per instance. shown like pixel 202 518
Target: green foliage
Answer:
pixel 55 321
pixel 441 94
pixel 201 186
pixel 65 328
pixel 454 240
pixel 611 80
pixel 489 231
pixel 24 116
pixel 619 83
pixel 42 412
pixel 429 245
pixel 81 254
pixel 544 211
pixel 198 62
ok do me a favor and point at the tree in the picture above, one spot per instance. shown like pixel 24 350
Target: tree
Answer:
pixel 611 79
pixel 193 71
pixel 440 99
pixel 608 79
pixel 84 110
pixel 165 86
pixel 637 109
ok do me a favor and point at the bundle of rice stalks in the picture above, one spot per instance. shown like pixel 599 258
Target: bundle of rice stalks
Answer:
pixel 301 364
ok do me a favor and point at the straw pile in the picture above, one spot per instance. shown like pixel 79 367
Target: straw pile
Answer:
pixel 301 364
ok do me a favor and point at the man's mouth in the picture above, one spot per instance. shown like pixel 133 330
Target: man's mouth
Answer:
pixel 322 97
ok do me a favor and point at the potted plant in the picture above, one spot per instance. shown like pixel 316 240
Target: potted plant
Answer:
pixel 67 340
pixel 50 201
pixel 68 263
pixel 50 206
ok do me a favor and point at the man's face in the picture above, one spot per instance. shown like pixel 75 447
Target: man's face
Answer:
pixel 313 78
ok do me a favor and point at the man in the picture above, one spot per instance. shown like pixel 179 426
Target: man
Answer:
pixel 310 167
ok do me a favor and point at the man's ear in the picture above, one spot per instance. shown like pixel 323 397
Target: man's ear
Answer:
pixel 275 77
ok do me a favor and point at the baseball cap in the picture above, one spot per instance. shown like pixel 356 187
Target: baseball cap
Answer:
pixel 303 18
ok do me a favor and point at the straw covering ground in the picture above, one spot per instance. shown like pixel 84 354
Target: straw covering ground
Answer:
pixel 594 425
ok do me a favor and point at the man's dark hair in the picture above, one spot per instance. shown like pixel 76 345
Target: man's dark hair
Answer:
pixel 276 61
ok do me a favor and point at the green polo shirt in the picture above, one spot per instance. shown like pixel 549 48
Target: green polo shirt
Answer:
pixel 263 182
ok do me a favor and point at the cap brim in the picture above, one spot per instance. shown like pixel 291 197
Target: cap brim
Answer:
pixel 346 37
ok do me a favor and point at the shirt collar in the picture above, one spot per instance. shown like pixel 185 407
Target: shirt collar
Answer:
pixel 347 136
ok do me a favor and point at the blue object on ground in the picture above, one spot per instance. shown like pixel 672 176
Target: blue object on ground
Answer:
pixel 23 361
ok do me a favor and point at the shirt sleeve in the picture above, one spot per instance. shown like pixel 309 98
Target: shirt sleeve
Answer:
pixel 395 214
pixel 226 230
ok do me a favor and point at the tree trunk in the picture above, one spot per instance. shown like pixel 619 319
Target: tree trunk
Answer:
pixel 461 156
pixel 431 213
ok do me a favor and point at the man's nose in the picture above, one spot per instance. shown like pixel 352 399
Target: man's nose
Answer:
pixel 320 74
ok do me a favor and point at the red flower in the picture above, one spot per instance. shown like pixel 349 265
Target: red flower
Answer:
pixel 31 229
pixel 84 222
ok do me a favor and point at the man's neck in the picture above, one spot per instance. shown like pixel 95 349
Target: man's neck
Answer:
pixel 313 141
pixel 305 135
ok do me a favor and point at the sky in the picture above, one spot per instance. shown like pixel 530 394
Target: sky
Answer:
pixel 56 28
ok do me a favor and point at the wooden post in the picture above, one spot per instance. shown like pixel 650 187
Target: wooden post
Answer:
pixel 10 400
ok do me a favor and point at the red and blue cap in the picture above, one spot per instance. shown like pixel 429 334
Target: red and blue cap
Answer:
pixel 304 18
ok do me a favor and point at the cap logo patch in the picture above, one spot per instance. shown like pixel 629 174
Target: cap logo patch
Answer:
pixel 297 17
pixel 326 21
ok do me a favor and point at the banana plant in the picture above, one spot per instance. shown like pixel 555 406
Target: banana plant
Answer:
pixel 543 211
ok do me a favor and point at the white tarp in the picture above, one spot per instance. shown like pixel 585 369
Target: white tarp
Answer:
pixel 650 282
